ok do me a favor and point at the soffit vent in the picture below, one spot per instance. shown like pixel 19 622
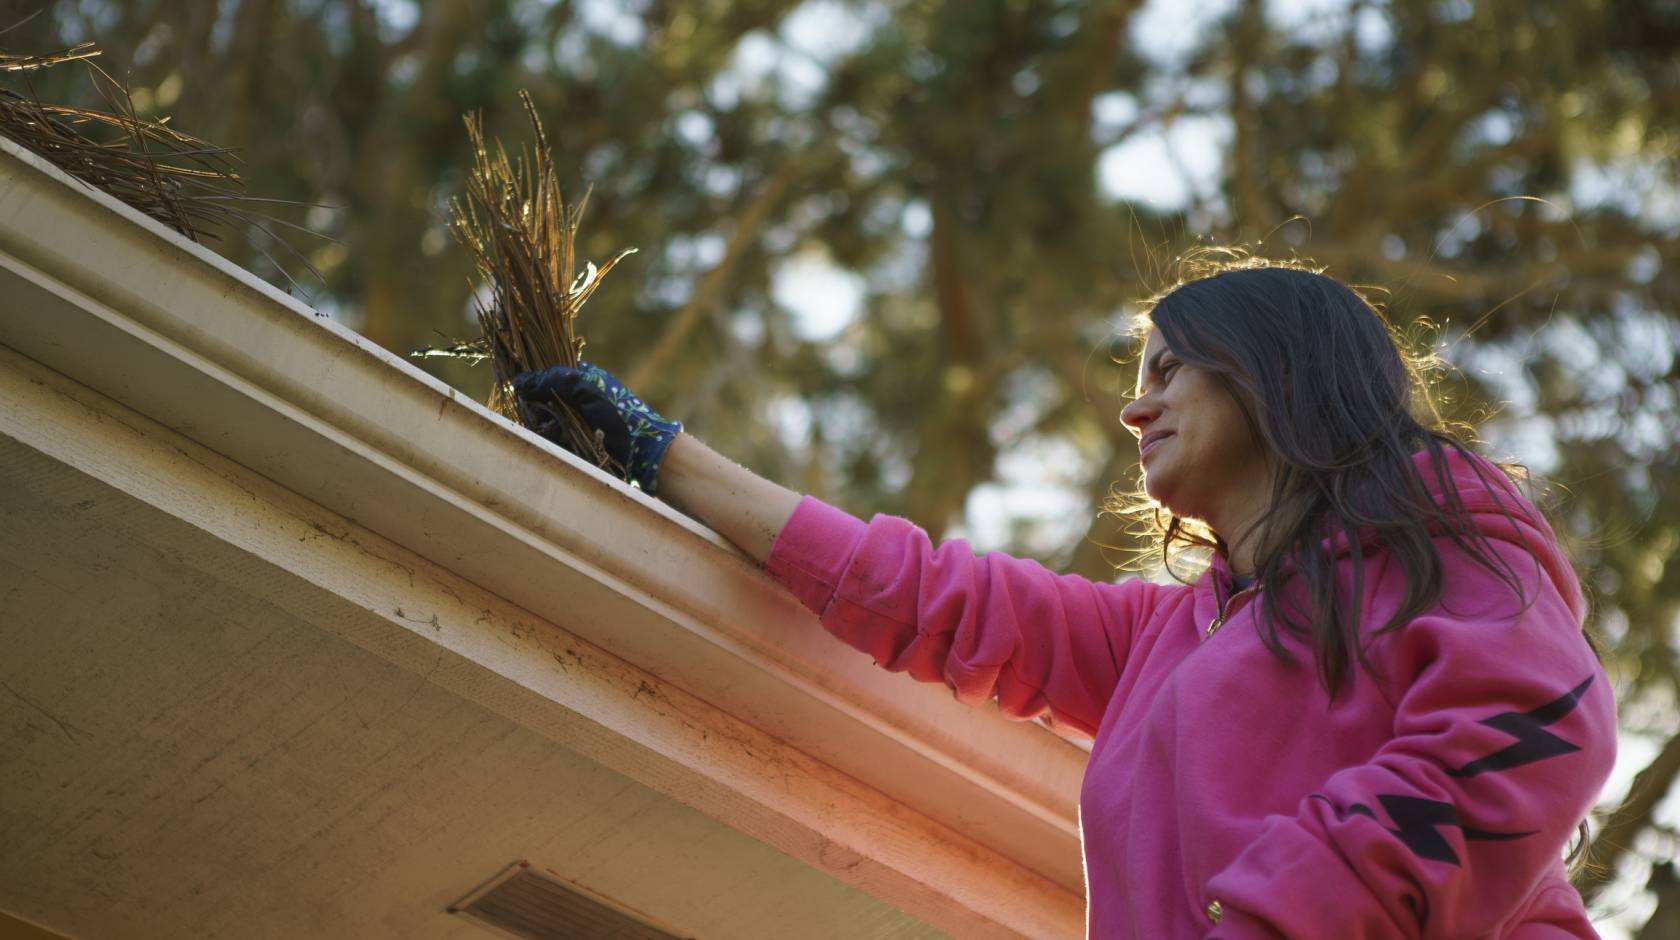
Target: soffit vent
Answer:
pixel 524 902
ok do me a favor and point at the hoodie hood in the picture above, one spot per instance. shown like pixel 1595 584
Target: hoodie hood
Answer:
pixel 1497 510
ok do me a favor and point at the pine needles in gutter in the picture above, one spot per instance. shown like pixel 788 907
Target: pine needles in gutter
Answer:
pixel 522 234
pixel 173 177
pixel 150 166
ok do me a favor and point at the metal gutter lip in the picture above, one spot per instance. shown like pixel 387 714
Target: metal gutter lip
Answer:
pixel 131 309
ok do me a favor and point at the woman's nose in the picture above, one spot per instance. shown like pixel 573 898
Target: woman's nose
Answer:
pixel 1137 415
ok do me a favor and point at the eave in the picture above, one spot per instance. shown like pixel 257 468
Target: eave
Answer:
pixel 576 607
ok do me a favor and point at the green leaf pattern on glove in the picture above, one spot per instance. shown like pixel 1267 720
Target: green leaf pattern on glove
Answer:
pixel 651 433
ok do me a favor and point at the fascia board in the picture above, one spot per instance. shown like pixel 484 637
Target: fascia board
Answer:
pixel 134 311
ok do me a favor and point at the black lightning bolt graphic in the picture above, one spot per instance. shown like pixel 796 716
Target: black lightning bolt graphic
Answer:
pixel 1534 742
pixel 1417 818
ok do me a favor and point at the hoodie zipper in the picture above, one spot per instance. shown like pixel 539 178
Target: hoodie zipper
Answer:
pixel 1224 611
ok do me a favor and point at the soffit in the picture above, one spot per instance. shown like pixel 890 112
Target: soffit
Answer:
pixel 184 756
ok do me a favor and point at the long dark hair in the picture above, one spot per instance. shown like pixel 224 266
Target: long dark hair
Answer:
pixel 1331 391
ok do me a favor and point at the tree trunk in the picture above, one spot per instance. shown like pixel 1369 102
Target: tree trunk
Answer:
pixel 955 452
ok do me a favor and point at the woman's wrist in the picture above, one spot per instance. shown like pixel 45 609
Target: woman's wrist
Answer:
pixel 738 504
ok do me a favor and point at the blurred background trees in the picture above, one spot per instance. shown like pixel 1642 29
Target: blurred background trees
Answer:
pixel 887 247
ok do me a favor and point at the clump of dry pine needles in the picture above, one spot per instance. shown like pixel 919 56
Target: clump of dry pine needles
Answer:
pixel 522 234
pixel 175 178
pixel 170 176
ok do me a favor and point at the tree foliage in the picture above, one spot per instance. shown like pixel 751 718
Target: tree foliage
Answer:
pixel 1501 169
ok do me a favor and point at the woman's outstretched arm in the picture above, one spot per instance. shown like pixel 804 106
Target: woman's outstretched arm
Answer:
pixel 987 627
pixel 731 500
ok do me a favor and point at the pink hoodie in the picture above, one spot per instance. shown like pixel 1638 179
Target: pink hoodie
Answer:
pixel 1226 795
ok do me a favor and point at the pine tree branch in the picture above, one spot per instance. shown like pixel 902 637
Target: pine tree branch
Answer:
pixel 1631 818
pixel 712 283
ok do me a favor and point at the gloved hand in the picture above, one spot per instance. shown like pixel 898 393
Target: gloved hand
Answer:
pixel 635 435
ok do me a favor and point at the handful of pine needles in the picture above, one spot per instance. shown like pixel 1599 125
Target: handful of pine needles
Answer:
pixel 522 234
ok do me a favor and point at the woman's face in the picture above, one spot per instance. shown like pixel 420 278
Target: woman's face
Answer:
pixel 1199 457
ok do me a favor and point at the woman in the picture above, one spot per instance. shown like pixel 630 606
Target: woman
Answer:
pixel 1374 712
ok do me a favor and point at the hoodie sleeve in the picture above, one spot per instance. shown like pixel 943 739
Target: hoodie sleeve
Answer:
pixel 1504 734
pixel 992 626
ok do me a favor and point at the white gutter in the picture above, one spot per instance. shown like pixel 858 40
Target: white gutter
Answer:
pixel 130 309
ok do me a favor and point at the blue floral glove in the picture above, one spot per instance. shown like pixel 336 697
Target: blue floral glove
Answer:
pixel 636 436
